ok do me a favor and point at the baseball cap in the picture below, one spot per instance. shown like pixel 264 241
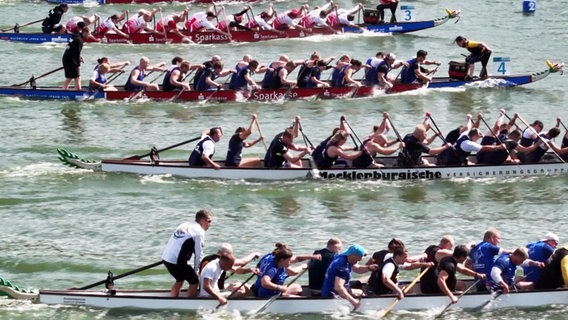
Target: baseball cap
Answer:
pixel 293 13
pixel 550 237
pixel 211 14
pixel 356 250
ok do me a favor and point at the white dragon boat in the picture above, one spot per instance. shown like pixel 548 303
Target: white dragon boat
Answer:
pixel 552 165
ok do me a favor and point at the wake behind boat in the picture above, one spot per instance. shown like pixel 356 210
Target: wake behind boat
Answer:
pixel 553 166
pixel 211 37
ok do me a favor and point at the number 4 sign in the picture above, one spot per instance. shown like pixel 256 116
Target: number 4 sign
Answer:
pixel 501 66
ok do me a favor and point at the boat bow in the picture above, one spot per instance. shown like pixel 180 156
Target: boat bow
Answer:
pixel 72 160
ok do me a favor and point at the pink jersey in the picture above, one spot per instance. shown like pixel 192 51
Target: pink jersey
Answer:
pixel 134 25
pixel 105 27
pixel 71 25
pixel 283 20
pixel 311 20
pixel 198 21
pixel 168 21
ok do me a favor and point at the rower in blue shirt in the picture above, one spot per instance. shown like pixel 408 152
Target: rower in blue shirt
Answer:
pixel 540 251
pixel 483 256
pixel 414 73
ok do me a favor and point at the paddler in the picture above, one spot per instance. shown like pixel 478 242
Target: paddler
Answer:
pixel 110 25
pixel 479 51
pixel 139 23
pixel 202 21
pixel 414 73
pixel 136 83
pixel 169 23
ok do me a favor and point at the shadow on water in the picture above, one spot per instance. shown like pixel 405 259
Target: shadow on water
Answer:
pixel 72 123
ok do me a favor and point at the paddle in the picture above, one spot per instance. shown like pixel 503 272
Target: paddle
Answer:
pixel 404 151
pixel 17 27
pixel 493 298
pixel 237 289
pixel 141 92
pixel 563 126
pixel 276 296
pixel 157 263
pixel 541 139
pixel 260 131
pixel 314 172
pixel 176 97
pixel 32 79
pixel 405 291
pixel 116 74
pixel 136 157
pixel 458 299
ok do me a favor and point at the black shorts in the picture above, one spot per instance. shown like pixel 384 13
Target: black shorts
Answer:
pixel 181 273
pixel 72 71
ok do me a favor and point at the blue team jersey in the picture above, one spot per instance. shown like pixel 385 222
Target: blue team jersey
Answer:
pixel 508 270
pixel 538 251
pixel 277 276
pixel 482 257
pixel 339 267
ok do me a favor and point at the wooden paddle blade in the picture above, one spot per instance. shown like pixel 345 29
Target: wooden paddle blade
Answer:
pixel 133 158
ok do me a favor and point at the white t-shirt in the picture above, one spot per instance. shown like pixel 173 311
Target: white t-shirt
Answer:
pixel 211 271
pixel 468 145
pixel 185 231
pixel 208 147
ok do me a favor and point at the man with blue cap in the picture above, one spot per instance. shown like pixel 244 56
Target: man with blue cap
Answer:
pixel 338 274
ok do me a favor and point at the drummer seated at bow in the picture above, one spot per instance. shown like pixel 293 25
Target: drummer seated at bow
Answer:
pixel 136 83
pixel 278 155
pixel 207 78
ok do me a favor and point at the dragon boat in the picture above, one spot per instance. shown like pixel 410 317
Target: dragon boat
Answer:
pixel 157 299
pixel 211 37
pixel 37 92
pixel 390 172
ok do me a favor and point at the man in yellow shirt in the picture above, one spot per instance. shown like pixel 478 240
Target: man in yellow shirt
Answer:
pixel 479 51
